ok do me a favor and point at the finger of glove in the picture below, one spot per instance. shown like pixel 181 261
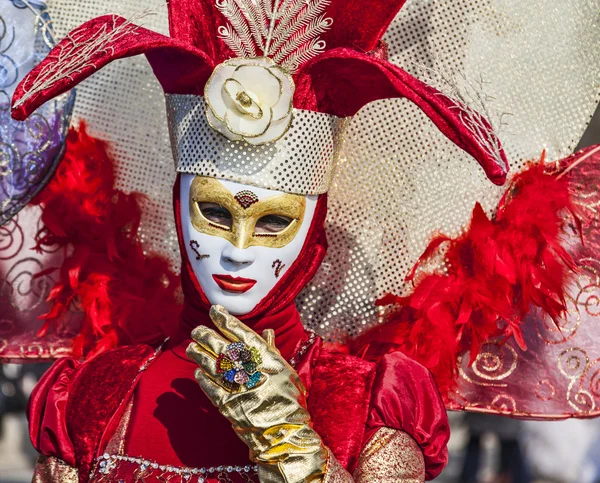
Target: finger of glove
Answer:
pixel 269 336
pixel 211 341
pixel 234 329
pixel 211 386
pixel 203 358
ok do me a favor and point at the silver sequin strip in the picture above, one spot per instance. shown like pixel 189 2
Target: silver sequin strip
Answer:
pixel 302 161
pixel 108 462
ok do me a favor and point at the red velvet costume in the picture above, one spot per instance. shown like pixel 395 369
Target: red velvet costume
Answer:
pixel 79 410
pixel 80 414
pixel 247 84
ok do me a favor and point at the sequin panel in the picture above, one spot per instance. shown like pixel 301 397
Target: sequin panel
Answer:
pixel 291 164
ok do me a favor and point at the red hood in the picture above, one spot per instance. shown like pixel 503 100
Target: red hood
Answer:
pixel 277 310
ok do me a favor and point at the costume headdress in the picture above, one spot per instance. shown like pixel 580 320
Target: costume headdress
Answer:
pixel 256 91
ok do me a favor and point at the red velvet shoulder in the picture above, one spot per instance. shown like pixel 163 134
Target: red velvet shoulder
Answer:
pixel 47 411
pixel 71 406
pixel 338 402
pixel 406 398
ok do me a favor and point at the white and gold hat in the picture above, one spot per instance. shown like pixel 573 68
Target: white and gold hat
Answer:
pixel 256 92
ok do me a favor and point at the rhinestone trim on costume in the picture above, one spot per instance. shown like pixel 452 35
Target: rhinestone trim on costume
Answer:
pixel 291 164
pixel 107 462
pixel 303 348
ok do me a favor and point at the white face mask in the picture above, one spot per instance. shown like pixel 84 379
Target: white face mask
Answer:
pixel 241 239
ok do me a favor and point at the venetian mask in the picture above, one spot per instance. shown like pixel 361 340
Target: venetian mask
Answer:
pixel 241 239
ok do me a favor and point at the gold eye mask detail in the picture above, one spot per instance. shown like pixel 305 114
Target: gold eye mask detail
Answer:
pixel 244 219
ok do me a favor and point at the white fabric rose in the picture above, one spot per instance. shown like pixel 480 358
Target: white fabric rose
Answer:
pixel 250 99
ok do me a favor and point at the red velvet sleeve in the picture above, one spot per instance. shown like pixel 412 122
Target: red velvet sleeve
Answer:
pixel 46 412
pixel 406 398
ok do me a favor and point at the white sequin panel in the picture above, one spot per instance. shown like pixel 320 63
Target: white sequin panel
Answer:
pixel 533 66
pixel 302 161
pixel 124 104
pixel 413 182
pixel 536 63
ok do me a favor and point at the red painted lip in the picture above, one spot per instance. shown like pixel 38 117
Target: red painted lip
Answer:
pixel 234 284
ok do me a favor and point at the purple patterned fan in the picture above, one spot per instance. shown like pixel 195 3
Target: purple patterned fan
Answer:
pixel 31 150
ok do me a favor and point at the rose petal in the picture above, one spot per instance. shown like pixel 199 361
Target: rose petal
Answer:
pixel 233 353
pixel 215 98
pixel 224 364
pixel 253 380
pixel 245 125
pixel 221 127
pixel 245 355
pixel 231 386
pixel 284 106
pixel 276 131
pixel 250 367
pixel 230 375
pixel 256 357
pixel 260 81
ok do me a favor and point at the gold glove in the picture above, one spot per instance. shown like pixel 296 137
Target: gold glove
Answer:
pixel 253 386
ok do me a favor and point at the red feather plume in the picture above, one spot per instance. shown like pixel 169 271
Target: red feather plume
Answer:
pixel 126 296
pixel 496 273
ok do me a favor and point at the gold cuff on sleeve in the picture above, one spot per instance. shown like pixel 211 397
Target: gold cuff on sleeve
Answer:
pixel 336 473
pixel 51 470
pixel 390 456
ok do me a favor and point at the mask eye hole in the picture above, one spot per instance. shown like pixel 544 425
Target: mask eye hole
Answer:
pixel 272 225
pixel 216 214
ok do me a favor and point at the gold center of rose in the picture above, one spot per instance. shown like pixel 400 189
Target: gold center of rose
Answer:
pixel 244 99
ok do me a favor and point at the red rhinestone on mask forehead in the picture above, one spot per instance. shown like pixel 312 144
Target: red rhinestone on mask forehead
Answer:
pixel 246 198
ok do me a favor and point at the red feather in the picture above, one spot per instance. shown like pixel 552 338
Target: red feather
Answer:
pixel 125 295
pixel 497 272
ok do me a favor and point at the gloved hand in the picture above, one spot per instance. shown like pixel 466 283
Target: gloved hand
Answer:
pixel 253 386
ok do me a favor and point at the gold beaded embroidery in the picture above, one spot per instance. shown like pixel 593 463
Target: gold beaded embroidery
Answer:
pixel 51 470
pixel 390 456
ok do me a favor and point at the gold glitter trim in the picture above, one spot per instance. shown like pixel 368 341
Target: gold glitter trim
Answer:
pixel 116 445
pixel 51 470
pixel 336 473
pixel 390 456
pixel 495 363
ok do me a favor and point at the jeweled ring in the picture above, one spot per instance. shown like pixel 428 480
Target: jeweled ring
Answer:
pixel 239 366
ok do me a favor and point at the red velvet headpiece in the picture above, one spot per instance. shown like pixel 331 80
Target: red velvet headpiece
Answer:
pixel 339 80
